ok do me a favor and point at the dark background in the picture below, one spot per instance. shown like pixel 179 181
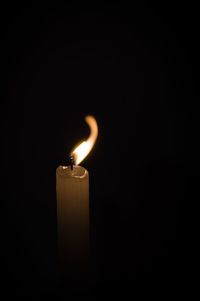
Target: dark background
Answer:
pixel 134 70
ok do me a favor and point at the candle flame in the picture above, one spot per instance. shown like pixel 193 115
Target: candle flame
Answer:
pixel 83 149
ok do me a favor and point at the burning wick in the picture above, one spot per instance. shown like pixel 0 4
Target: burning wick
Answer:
pixel 71 161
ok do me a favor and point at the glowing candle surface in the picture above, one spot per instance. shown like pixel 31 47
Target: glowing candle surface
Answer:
pixel 72 190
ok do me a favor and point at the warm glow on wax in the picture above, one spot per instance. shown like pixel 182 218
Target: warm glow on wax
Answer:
pixel 83 149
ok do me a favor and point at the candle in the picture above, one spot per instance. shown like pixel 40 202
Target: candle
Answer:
pixel 72 189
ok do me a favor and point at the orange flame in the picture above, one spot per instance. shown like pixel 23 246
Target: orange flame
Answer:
pixel 83 149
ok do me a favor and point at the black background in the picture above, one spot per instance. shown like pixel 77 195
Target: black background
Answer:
pixel 133 69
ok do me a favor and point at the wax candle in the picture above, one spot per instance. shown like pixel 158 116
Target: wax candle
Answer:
pixel 72 189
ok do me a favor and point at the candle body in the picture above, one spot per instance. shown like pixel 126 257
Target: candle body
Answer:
pixel 72 190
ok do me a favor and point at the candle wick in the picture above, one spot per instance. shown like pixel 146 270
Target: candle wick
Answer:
pixel 71 161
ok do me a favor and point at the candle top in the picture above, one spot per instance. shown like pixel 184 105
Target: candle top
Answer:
pixel 78 172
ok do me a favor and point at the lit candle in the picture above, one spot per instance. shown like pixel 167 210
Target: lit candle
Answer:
pixel 72 189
